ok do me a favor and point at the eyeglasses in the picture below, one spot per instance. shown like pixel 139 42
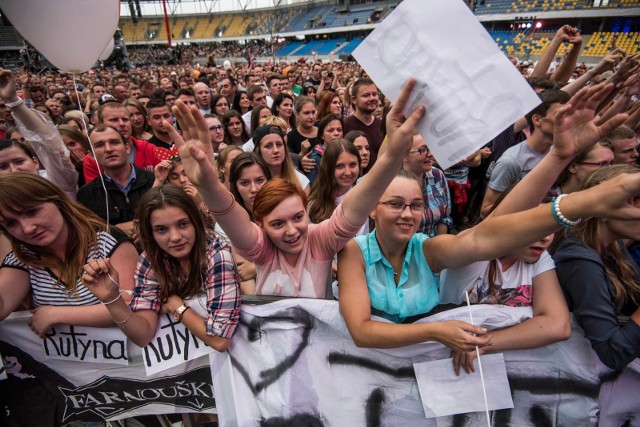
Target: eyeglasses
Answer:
pixel 421 151
pixel 397 206
pixel 597 164
pixel 216 128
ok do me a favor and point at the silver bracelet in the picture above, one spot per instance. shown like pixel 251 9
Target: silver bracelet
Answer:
pixel 14 104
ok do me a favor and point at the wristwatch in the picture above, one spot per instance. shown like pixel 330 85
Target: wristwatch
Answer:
pixel 179 312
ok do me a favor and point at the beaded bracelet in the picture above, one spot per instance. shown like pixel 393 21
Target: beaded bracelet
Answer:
pixel 14 104
pixel 557 213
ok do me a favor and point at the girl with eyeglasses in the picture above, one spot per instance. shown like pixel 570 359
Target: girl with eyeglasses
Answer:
pixel 219 105
pixel 435 190
pixel 392 272
pixel 216 130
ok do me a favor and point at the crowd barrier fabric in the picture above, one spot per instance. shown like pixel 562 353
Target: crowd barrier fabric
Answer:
pixel 291 363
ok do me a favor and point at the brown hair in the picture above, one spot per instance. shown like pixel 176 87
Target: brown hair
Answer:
pixel 21 191
pixel 165 267
pixel 619 268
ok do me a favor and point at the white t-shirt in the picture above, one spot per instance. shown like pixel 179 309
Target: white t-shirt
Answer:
pixel 514 286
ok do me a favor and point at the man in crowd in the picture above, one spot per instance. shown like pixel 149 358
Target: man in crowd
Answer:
pixel 366 99
pixel 228 89
pixel 518 160
pixel 157 112
pixel 140 152
pixel 203 97
pixel 257 96
pixel 274 86
pixel 125 182
pixel 624 144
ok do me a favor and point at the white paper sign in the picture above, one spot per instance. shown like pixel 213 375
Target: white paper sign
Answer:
pixel 471 90
pixel 443 393
pixel 173 344
pixel 85 344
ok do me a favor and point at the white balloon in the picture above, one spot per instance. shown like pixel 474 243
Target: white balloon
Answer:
pixel 71 34
pixel 106 53
pixel 226 64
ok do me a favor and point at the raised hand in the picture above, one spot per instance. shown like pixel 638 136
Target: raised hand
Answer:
pixel 194 145
pixel 101 279
pixel 574 125
pixel 161 172
pixel 7 86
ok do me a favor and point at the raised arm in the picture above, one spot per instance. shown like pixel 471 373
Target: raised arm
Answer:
pixel 494 237
pixel 575 131
pixel 607 63
pixel 360 201
pixel 563 35
pixel 45 140
pixel 564 71
pixel 196 152
pixel 355 306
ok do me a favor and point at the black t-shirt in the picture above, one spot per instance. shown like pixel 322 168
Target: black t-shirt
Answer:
pixel 159 143
pixel 295 138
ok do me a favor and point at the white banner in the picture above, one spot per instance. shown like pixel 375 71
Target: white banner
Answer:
pixel 174 344
pixel 41 390
pixel 293 362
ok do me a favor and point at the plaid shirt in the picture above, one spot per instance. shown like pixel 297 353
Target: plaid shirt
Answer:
pixel 437 201
pixel 222 287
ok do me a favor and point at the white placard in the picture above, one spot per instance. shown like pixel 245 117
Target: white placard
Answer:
pixel 443 393
pixel 173 344
pixel 471 90
pixel 85 344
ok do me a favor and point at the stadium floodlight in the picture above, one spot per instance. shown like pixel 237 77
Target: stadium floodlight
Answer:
pixel 538 25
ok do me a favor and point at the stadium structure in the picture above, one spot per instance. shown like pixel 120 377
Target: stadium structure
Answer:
pixel 294 29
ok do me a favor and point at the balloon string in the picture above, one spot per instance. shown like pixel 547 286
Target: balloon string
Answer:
pixel 93 152
pixel 484 388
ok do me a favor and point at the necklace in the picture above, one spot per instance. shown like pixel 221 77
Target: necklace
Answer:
pixel 395 274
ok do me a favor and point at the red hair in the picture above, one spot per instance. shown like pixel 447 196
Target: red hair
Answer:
pixel 272 194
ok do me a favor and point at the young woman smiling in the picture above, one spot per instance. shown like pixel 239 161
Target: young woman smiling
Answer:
pixel 293 258
pixel 181 260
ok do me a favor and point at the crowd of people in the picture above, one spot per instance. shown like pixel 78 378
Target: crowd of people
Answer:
pixel 125 195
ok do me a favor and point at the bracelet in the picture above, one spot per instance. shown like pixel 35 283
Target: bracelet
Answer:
pixel 14 104
pixel 113 300
pixel 122 322
pixel 557 213
pixel 226 211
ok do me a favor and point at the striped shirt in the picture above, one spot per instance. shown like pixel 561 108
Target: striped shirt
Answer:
pixel 45 287
pixel 222 286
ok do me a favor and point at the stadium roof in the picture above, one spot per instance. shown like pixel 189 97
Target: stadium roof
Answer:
pixel 190 7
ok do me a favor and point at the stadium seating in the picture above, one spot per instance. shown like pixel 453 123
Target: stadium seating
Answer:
pixel 528 44
pixel 526 6
pixel 349 47
pixel 320 47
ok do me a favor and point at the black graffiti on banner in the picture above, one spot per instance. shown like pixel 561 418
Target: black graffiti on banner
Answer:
pixel 111 396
